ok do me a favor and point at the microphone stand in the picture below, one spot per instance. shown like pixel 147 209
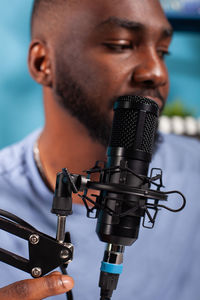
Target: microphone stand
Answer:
pixel 113 257
pixel 46 253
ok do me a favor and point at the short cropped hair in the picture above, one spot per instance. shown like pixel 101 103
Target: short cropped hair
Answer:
pixel 44 11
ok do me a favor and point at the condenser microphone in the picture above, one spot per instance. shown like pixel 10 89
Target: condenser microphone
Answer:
pixel 124 185
pixel 131 145
pixel 130 148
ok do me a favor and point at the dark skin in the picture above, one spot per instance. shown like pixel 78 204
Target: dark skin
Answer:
pixel 36 289
pixel 111 48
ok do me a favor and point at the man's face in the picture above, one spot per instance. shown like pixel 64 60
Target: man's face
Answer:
pixel 106 49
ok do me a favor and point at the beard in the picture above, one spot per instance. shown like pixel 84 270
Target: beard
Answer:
pixel 71 96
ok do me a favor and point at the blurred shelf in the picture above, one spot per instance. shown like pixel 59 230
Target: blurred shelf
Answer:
pixel 187 126
pixel 184 15
pixel 184 23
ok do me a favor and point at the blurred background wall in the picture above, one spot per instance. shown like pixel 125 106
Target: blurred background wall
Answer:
pixel 21 98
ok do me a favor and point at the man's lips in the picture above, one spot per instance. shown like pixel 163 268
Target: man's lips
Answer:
pixel 151 94
pixel 157 100
pixel 147 93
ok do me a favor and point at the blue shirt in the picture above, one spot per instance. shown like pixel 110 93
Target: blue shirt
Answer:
pixel 164 263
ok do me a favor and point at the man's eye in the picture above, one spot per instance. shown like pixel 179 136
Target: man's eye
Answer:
pixel 118 47
pixel 163 53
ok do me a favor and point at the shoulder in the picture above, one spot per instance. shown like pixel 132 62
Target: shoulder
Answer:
pixel 180 140
pixel 13 158
pixel 179 152
pixel 181 145
pixel 17 169
pixel 17 175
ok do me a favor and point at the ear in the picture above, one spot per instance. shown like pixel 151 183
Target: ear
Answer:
pixel 39 63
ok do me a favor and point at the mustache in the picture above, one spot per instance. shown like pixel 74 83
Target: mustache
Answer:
pixel 143 93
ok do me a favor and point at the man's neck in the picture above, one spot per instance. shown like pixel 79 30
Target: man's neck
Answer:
pixel 70 148
pixel 65 143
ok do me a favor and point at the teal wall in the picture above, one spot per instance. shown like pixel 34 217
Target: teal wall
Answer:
pixel 20 98
pixel 184 70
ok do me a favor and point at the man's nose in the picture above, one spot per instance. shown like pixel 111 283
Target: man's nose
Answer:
pixel 150 71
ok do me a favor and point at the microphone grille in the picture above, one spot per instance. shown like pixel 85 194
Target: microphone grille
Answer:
pixel 135 123
pixel 137 99
pixel 151 126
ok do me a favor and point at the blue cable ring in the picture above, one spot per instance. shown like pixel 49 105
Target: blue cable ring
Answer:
pixel 111 268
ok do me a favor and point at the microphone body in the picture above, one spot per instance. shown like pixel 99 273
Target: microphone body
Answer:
pixel 131 145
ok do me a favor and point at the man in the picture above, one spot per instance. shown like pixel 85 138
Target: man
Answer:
pixel 86 54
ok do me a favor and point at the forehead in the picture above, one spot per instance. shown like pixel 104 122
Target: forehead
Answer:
pixel 94 12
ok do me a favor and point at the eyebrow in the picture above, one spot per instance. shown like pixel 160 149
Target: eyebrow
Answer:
pixel 134 26
pixel 124 23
